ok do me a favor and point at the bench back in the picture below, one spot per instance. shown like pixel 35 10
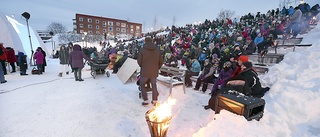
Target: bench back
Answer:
pixel 172 70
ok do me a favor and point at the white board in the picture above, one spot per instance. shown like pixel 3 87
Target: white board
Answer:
pixel 127 70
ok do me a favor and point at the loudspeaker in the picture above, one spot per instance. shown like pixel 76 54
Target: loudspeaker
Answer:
pixel 249 107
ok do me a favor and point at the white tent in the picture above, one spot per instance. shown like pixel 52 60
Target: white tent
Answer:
pixel 15 35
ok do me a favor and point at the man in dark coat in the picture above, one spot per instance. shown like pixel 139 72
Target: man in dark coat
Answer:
pixel 150 60
pixel 76 60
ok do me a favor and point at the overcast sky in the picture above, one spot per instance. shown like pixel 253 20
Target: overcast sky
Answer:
pixel 44 12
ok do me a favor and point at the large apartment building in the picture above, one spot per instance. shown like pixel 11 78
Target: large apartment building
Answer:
pixel 95 25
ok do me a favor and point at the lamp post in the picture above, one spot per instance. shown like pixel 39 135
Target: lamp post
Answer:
pixel 26 15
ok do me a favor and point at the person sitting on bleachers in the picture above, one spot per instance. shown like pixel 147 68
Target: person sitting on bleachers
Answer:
pixel 170 60
pixel 224 75
pixel 193 71
pixel 247 82
pixel 207 76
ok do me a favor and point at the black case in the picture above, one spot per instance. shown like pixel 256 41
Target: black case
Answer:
pixel 249 107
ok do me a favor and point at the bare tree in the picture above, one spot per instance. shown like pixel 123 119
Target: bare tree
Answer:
pixel 56 28
pixel 223 14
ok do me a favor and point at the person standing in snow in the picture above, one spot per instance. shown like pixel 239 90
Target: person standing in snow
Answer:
pixel 39 57
pixel 3 59
pixel 22 62
pixel 64 60
pixel 76 60
pixel 2 79
pixel 12 59
pixel 150 60
pixel 44 64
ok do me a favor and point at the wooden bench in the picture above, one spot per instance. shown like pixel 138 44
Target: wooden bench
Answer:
pixel 176 77
pixel 194 79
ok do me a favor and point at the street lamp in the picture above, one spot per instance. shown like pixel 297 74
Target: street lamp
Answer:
pixel 26 15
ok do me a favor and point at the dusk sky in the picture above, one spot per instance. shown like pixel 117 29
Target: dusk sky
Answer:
pixel 44 12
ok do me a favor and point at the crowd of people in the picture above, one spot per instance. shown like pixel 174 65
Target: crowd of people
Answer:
pixel 214 51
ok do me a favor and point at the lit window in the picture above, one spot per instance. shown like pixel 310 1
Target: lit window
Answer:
pixel 131 26
pixel 137 27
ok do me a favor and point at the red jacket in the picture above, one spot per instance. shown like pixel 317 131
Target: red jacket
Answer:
pixel 11 58
pixel 3 56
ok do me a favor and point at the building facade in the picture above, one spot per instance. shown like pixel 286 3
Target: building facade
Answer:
pixel 95 25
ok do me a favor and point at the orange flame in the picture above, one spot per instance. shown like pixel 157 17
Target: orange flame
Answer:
pixel 162 111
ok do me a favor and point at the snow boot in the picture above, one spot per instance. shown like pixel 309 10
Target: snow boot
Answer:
pixel 146 102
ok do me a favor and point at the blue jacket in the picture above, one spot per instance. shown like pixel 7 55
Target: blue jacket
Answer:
pixel 290 11
pixel 202 57
pixel 258 40
pixel 195 67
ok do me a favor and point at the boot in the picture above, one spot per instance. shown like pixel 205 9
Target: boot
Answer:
pixel 60 75
pixel 67 72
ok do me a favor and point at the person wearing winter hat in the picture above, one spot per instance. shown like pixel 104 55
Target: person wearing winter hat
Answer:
pixel 249 81
pixel 240 60
pixel 76 60
pixel 224 75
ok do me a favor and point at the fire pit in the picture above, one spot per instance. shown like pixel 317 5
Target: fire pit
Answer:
pixel 159 118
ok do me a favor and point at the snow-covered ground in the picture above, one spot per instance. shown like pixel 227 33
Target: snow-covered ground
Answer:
pixel 49 106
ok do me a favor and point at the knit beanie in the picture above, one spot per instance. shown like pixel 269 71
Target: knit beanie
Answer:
pixel 247 64
pixel 243 58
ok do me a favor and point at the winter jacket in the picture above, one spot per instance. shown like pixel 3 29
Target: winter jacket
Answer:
pixel 38 56
pixel 64 56
pixel 195 67
pixel 258 40
pixel 296 17
pixel 252 82
pixel 76 57
pixel 5 53
pixel 11 58
pixel 149 59
pixel 224 75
